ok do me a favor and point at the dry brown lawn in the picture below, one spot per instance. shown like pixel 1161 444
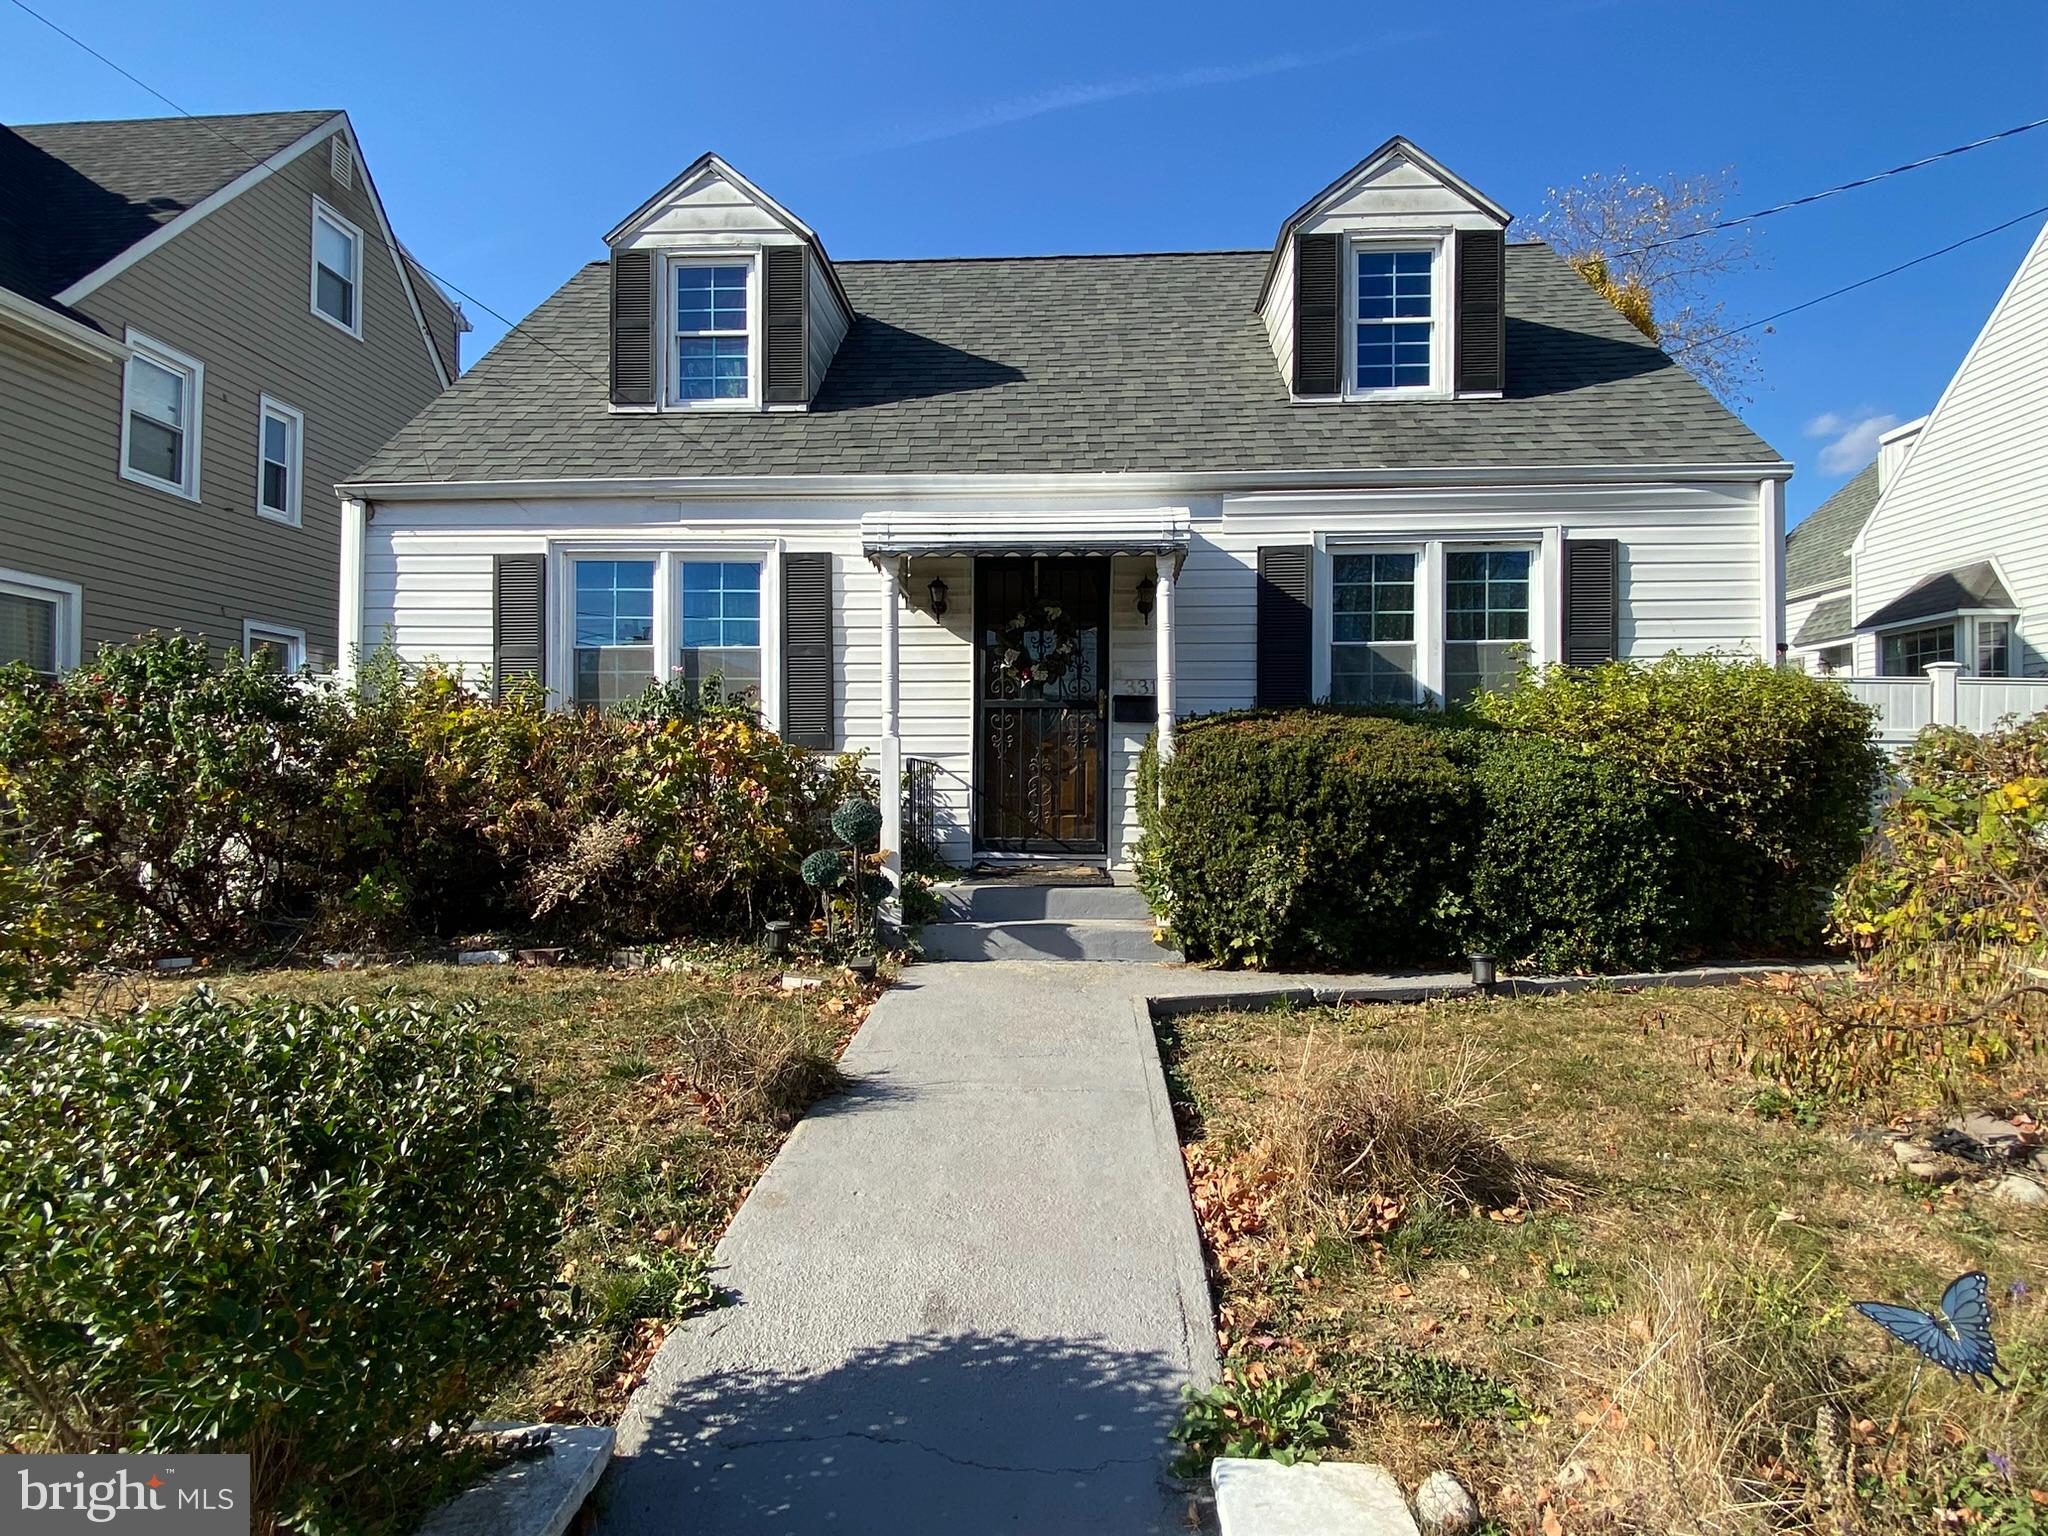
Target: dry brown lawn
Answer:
pixel 1561 1246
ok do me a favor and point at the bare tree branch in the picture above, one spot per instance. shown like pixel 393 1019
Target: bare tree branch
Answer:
pixel 1649 247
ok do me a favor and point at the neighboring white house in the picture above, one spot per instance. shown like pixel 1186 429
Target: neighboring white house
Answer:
pixel 1007 515
pixel 1818 622
pixel 1952 562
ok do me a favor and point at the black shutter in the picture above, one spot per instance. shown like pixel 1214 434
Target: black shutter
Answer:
pixel 1592 601
pixel 785 323
pixel 1284 625
pixel 518 622
pixel 1318 295
pixel 633 304
pixel 1482 311
pixel 807 650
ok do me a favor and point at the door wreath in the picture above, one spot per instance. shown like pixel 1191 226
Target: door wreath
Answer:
pixel 1040 646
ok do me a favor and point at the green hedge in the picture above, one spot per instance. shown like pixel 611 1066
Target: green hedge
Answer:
pixel 1605 820
pixel 1308 837
pixel 1774 771
pixel 308 1232
pixel 1575 866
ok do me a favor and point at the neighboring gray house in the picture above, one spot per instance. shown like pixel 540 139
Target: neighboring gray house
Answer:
pixel 205 324
pixel 1008 515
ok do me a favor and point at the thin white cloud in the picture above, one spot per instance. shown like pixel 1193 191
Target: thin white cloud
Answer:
pixel 1090 93
pixel 1851 437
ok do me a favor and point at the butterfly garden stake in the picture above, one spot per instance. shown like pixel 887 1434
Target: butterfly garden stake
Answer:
pixel 1956 1335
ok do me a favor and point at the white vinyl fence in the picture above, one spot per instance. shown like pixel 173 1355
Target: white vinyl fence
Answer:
pixel 1907 705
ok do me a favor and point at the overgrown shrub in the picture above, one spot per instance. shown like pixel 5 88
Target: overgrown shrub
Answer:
pixel 1313 836
pixel 172 793
pixel 303 1231
pixel 1575 867
pixel 1775 771
pixel 221 809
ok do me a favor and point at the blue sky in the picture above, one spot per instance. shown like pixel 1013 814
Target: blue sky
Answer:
pixel 507 137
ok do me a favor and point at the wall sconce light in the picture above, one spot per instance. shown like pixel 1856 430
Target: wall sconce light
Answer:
pixel 938 592
pixel 1147 585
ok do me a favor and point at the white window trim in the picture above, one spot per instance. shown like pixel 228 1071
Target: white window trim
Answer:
pixel 668 610
pixel 355 233
pixel 750 258
pixel 69 599
pixel 1441 247
pixel 293 641
pixel 295 468
pixel 1543 546
pixel 170 358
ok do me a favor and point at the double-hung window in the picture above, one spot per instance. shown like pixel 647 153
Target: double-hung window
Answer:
pixel 721 634
pixel 337 270
pixel 1486 619
pixel 614 635
pixel 710 360
pixel 160 405
pixel 1907 652
pixel 38 623
pixel 280 458
pixel 1394 329
pixel 1372 628
pixel 1994 648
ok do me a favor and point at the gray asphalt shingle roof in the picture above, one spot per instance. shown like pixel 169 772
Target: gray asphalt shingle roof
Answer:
pixel 1073 363
pixel 1965 588
pixel 73 196
pixel 1828 621
pixel 1817 551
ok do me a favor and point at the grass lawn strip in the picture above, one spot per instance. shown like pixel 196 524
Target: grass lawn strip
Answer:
pixel 1567 1256
pixel 672 1091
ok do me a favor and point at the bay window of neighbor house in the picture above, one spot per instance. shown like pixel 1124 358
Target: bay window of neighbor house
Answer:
pixel 1372 628
pixel 614 634
pixel 721 628
pixel 1486 619
pixel 1907 652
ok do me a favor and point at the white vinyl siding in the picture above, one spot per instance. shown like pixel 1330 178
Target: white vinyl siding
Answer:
pixel 1690 577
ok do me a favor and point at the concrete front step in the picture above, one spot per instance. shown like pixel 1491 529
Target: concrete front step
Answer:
pixel 1002 901
pixel 1046 939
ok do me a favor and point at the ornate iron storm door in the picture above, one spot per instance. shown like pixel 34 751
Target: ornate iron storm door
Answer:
pixel 1041 738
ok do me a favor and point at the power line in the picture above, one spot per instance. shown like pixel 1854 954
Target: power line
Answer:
pixel 1815 197
pixel 1836 293
pixel 255 160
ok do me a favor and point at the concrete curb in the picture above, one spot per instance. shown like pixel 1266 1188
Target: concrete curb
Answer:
pixel 531 1496
pixel 1398 991
pixel 1191 1270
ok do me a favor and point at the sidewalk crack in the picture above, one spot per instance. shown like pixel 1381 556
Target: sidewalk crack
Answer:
pixel 931 1450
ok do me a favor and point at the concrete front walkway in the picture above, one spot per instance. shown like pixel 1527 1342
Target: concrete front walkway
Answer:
pixel 970 1290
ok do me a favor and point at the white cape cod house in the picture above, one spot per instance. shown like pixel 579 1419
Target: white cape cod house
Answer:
pixel 1007 516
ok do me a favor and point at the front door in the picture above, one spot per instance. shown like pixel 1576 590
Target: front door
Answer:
pixel 1041 679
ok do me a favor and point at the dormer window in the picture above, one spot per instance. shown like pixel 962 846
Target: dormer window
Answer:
pixel 712 353
pixel 1394 317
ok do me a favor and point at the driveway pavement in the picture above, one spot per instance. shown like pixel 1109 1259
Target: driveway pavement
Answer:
pixel 970 1290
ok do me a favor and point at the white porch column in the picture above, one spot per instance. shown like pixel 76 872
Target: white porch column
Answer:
pixel 355 523
pixel 1162 600
pixel 890 767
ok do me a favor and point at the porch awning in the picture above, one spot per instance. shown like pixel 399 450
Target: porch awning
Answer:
pixel 1967 589
pixel 1154 531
